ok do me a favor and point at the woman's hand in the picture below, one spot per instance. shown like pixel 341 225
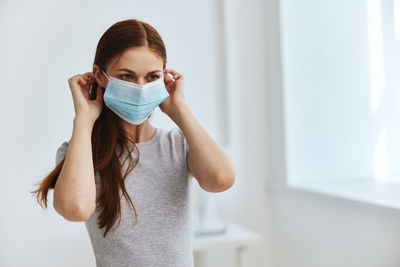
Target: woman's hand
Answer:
pixel 84 107
pixel 175 89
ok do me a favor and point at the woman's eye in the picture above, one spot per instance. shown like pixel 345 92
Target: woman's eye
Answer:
pixel 153 77
pixel 126 77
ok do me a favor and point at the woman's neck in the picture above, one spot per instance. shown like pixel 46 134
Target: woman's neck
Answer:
pixel 139 133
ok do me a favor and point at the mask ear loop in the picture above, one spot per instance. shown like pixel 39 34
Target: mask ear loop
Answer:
pixel 104 89
pixel 105 74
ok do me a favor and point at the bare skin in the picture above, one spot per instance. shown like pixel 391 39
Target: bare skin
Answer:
pixel 75 192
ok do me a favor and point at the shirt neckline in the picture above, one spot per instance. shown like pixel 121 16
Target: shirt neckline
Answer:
pixel 150 141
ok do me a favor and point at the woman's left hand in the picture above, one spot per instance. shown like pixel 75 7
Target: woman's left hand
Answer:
pixel 175 89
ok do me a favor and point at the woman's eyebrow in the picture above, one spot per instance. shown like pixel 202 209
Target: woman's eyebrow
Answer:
pixel 131 71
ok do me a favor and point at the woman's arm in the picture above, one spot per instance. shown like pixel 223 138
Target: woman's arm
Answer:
pixel 75 189
pixel 208 163
pixel 74 194
pixel 206 160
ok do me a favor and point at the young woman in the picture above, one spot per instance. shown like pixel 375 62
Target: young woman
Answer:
pixel 117 165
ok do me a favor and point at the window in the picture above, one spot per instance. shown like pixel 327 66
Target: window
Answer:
pixel 341 79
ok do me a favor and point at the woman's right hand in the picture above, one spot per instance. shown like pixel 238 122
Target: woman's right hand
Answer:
pixel 84 107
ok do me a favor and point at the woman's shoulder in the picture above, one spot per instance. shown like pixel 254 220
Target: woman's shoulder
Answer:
pixel 174 134
pixel 175 139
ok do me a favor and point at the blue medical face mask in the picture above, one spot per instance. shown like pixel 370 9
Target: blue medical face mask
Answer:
pixel 134 102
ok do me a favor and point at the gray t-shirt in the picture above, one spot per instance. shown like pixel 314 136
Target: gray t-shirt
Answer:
pixel 160 189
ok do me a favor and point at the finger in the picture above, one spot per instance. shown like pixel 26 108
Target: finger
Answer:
pixel 85 92
pixel 79 90
pixel 74 79
pixel 90 80
pixel 84 80
pixel 174 73
pixel 167 79
pixel 85 77
pixel 88 75
pixel 167 76
pixel 81 81
pixel 76 83
pixel 83 86
pixel 170 70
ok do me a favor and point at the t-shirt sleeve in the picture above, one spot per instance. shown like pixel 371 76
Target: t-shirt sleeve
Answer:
pixel 185 148
pixel 61 151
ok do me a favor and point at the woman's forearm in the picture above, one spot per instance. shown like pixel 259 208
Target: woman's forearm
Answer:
pixel 207 161
pixel 75 189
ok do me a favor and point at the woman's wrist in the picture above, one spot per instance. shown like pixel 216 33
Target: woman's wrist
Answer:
pixel 181 110
pixel 83 122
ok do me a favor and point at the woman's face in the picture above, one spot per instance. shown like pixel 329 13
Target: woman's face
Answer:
pixel 137 64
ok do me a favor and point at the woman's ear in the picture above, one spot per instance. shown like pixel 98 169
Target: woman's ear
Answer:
pixel 101 79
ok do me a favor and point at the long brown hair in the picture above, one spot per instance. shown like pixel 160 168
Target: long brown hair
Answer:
pixel 108 133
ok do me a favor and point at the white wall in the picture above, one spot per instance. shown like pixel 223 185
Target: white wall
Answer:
pixel 313 230
pixel 256 108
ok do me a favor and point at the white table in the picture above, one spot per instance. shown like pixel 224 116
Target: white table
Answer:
pixel 236 237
